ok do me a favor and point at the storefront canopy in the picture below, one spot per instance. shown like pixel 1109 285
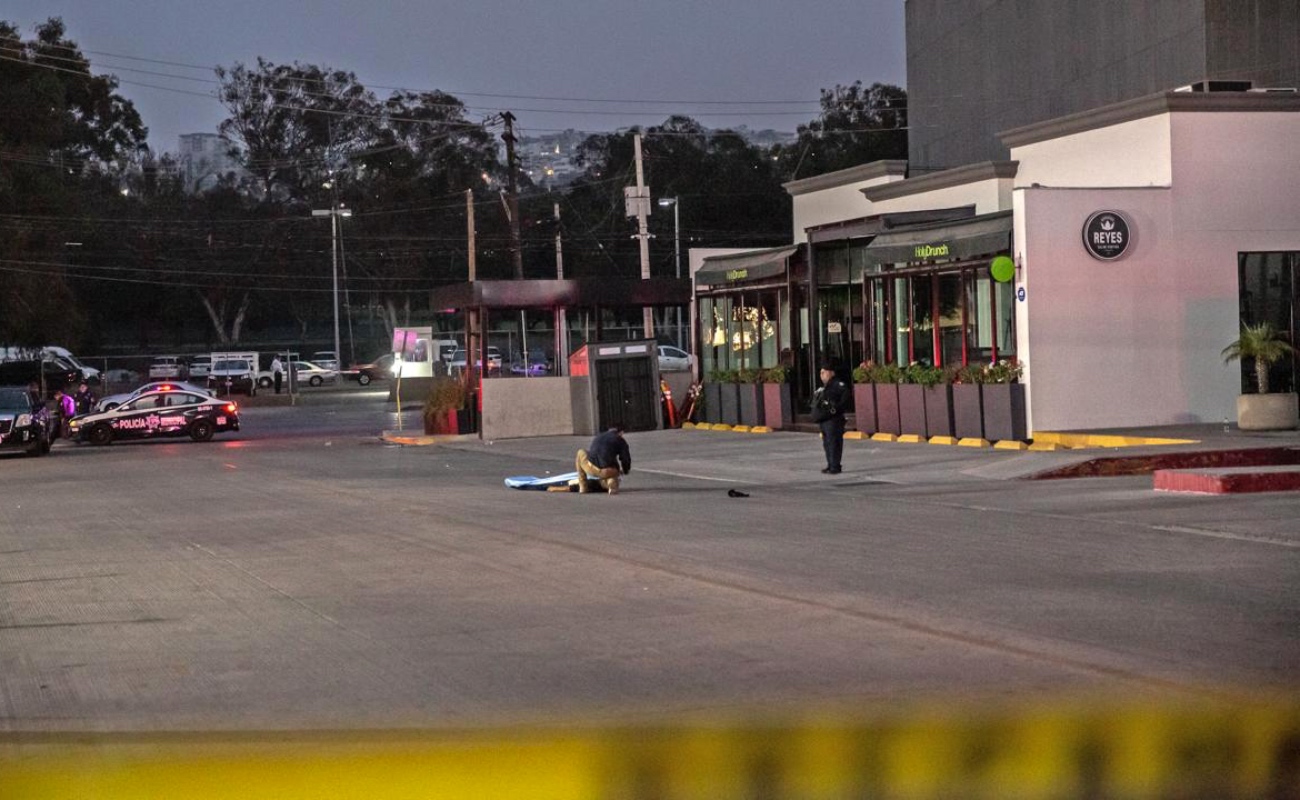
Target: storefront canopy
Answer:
pixel 750 266
pixel 977 236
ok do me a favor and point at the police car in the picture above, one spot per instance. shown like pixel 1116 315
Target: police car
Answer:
pixel 165 412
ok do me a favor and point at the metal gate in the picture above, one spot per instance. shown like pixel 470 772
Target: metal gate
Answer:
pixel 626 393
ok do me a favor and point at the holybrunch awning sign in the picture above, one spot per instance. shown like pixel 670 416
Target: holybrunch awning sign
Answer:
pixel 1106 235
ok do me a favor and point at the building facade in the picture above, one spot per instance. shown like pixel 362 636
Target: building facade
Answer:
pixel 1135 240
pixel 977 67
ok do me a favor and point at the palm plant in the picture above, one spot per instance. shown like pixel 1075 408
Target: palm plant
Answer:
pixel 1262 342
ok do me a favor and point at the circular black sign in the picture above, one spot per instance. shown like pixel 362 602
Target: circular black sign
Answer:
pixel 1106 235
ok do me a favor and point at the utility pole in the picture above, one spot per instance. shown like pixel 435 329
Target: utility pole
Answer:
pixel 562 322
pixel 512 196
pixel 334 212
pixel 469 223
pixel 642 196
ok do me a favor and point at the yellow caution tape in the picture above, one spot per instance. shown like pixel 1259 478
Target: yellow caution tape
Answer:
pixel 1244 749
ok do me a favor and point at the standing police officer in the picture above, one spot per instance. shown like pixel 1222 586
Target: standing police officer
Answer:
pixel 828 407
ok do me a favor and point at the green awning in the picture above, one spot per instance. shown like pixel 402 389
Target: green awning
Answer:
pixel 977 236
pixel 754 265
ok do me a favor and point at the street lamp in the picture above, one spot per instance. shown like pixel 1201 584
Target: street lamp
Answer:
pixel 665 202
pixel 334 213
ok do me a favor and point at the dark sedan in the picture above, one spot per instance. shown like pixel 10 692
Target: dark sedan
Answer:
pixel 381 369
pixel 24 421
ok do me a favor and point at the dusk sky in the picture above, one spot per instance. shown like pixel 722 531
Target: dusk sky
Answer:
pixel 583 64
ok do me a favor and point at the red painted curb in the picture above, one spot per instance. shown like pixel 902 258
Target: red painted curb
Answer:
pixel 1227 481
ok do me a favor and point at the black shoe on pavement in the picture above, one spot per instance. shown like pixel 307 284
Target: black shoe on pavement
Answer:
pixel 826 470
pixel 835 471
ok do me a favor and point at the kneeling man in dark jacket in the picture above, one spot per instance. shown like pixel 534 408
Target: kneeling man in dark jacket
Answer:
pixel 604 458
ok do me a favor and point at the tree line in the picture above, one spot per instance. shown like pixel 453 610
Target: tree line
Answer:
pixel 103 243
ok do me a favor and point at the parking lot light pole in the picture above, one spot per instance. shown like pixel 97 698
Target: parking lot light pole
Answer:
pixel 664 202
pixel 334 213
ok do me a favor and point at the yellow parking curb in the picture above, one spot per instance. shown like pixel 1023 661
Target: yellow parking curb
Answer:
pixel 1047 446
pixel 883 437
pixel 688 426
pixel 1075 441
pixel 720 426
pixel 740 428
pixel 1010 444
pixel 973 441
pixel 911 438
pixel 855 435
pixel 948 440
pixel 760 429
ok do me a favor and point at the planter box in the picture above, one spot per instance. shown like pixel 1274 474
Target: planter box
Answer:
pixel 778 408
pixel 729 407
pixel 888 419
pixel 1004 412
pixel 911 408
pixel 751 403
pixel 967 411
pixel 864 403
pixel 1275 411
pixel 712 402
pixel 938 410
pixel 466 421
pixel 448 423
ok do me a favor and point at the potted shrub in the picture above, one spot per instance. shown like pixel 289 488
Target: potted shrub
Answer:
pixel 729 397
pixel 749 388
pixel 885 380
pixel 937 383
pixel 864 397
pixel 968 401
pixel 917 378
pixel 444 405
pixel 1004 402
pixel 713 396
pixel 778 408
pixel 1263 410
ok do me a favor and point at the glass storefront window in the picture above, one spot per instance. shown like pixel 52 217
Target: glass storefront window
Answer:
pixel 979 333
pixel 951 310
pixel 1268 292
pixel 922 307
pixel 1006 314
pixel 767 328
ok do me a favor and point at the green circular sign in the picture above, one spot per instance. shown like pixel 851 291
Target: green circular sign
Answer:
pixel 1002 269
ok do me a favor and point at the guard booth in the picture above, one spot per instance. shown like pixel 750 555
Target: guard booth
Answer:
pixel 622 383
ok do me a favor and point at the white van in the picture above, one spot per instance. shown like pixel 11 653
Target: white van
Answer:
pixel 20 353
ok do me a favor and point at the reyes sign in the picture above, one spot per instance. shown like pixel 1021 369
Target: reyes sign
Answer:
pixel 1106 235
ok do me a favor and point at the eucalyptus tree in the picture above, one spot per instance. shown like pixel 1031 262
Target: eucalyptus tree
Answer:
pixel 65 136
pixel 857 125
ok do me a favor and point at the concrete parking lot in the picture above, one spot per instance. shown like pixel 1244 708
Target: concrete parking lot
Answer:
pixel 305 574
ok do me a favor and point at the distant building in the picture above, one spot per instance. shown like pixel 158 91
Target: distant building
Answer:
pixel 204 159
pixel 976 68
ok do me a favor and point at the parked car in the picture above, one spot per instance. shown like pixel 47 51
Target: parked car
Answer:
pixel 122 376
pixel 55 372
pixel 165 412
pixel 314 374
pixel 379 369
pixel 25 422
pixel 168 367
pixel 109 402
pixel 538 364
pixel 230 375
pixel 200 366
pixel 326 358
pixel 672 359
pixel 458 359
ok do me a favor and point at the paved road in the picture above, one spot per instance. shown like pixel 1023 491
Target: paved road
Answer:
pixel 305 574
